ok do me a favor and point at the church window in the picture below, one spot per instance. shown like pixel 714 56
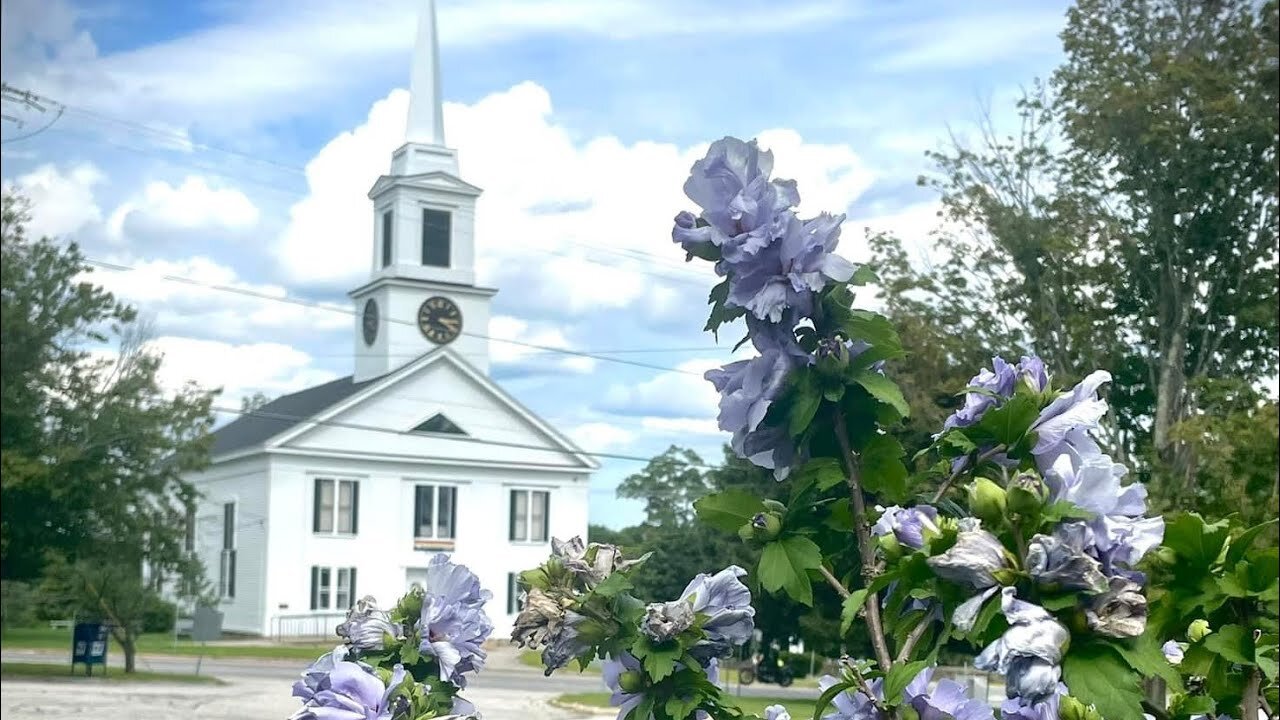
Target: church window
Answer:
pixel 227 558
pixel 435 512
pixel 336 506
pixel 530 510
pixel 436 228
pixel 332 588
pixel 386 238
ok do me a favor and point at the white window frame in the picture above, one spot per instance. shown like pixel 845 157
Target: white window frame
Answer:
pixel 332 588
pixel 334 513
pixel 433 537
pixel 342 589
pixel 544 528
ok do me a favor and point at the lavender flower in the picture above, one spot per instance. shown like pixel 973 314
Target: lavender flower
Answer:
pixel 1174 652
pixel 997 385
pixel 1022 709
pixel 909 526
pixel 726 603
pixel 776 712
pixel 354 693
pixel 741 206
pixel 747 388
pixel 854 704
pixel 1070 415
pixel 1059 560
pixel 785 275
pixel 366 626
pixel 624 677
pixel 316 677
pixel 947 701
pixel 454 625
pixel 1029 652
pixel 565 644
pixel 973 560
pixel 966 613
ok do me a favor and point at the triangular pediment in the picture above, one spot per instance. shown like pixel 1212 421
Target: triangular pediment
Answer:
pixel 437 409
pixel 437 181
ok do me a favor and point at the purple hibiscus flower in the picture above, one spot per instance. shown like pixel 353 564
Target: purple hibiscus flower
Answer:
pixel 947 701
pixel 454 625
pixel 353 692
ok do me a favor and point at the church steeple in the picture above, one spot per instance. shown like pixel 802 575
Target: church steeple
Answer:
pixel 426 112
pixel 422 289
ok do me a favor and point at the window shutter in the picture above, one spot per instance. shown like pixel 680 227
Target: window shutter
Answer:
pixel 231 575
pixel 453 513
pixel 315 510
pixel 511 525
pixel 355 507
pixel 546 516
pixel 354 596
pixel 315 587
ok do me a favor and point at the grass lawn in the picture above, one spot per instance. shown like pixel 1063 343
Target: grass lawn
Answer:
pixel 45 638
pixel 533 659
pixel 50 671
pixel 797 708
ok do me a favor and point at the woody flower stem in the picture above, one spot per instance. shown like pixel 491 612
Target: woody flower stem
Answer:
pixel 866 549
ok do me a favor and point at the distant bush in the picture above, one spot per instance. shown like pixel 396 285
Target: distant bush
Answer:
pixel 159 615
pixel 17 604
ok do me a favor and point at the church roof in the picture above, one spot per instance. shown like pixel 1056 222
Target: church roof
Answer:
pixel 279 415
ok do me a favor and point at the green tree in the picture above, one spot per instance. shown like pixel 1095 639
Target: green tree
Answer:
pixel 668 485
pixel 92 448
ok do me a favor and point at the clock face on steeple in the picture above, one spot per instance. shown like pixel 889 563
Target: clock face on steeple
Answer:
pixel 369 321
pixel 440 320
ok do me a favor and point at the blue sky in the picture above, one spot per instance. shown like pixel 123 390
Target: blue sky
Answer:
pixel 234 142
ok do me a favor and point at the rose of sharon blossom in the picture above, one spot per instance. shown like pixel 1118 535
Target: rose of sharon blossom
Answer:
pixel 776 712
pixel 726 603
pixel 972 561
pixel 998 383
pixel 625 679
pixel 366 626
pixel 747 388
pixel 741 206
pixel 908 525
pixel 1060 561
pixel 785 275
pixel 1070 415
pixel 605 559
pixel 947 701
pixel 665 620
pixel 353 693
pixel 316 677
pixel 1029 652
pixel 1023 709
pixel 853 704
pixel 454 625
pixel 1174 652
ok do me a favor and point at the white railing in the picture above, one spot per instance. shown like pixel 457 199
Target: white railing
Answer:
pixel 306 626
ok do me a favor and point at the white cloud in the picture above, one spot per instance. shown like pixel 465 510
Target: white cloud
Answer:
pixel 239 369
pixel 682 426
pixel 681 393
pixel 62 202
pixel 194 204
pixel 505 328
pixel 207 311
pixel 966 40
pixel 599 436
pixel 573 226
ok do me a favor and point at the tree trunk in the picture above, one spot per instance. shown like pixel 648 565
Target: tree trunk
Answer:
pixel 1171 386
pixel 1251 703
pixel 130 648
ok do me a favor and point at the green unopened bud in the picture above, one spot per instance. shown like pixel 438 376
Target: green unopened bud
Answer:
pixel 774 506
pixel 631 681
pixel 763 527
pixel 1027 493
pixel 987 501
pixel 1070 708
pixel 890 546
pixel 833 357
pixel 1198 630
pixel 747 533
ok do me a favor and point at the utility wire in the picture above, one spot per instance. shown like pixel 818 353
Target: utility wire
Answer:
pixel 31 100
pixel 347 311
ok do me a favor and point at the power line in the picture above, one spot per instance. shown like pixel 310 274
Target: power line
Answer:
pixel 347 311
pixel 30 100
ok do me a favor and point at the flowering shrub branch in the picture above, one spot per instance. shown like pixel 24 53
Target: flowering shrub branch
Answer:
pixel 1033 551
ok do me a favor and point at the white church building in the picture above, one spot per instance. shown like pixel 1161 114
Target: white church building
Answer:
pixel 349 488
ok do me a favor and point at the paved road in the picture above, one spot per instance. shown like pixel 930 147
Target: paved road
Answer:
pixel 260 689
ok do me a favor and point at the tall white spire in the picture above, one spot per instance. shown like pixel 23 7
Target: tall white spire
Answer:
pixel 426 111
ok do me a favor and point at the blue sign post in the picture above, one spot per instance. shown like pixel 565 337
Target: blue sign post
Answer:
pixel 89 646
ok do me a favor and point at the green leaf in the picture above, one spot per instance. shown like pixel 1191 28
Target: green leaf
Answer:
pixel 784 564
pixel 882 468
pixel 1244 541
pixel 823 472
pixel 863 275
pixel 409 652
pixel 720 313
pixel 1098 676
pixel 1057 512
pixel 806 397
pixel 1233 643
pixel 828 695
pixel 1054 603
pixel 1009 423
pixel 658 659
pixel 874 329
pixel 1145 656
pixel 1197 543
pixel 901 675
pixel 615 584
pixel 884 390
pixel 849 609
pixel 728 510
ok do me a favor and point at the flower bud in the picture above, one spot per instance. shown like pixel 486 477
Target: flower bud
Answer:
pixel 833 357
pixel 1070 708
pixel 774 506
pixel 987 501
pixel 1027 493
pixel 631 681
pixel 890 546
pixel 1198 630
pixel 767 525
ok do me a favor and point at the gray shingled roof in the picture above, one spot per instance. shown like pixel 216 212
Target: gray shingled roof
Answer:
pixel 279 415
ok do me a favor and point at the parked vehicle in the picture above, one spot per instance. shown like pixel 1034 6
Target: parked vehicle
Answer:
pixel 766 669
